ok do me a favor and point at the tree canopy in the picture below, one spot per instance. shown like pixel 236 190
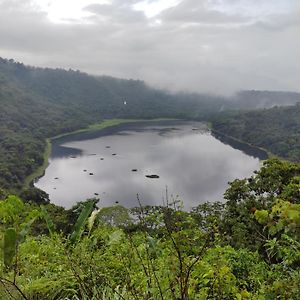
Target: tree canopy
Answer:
pixel 245 248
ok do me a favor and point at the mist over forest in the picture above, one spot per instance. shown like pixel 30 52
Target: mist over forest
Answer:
pixel 169 132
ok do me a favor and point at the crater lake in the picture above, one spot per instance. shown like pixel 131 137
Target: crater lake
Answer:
pixel 158 161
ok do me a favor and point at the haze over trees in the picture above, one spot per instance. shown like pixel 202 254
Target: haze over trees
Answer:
pixel 232 105
pixel 276 129
pixel 39 103
pixel 249 100
pixel 245 248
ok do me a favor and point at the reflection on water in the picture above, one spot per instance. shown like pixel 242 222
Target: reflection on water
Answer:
pixel 113 164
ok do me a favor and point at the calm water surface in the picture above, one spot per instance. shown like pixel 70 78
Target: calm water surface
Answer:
pixel 193 165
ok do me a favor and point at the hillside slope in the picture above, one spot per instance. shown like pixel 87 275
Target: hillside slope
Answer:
pixel 253 100
pixel 38 103
pixel 276 129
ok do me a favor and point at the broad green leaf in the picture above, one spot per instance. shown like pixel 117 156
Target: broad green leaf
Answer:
pixel 46 216
pixel 92 219
pixel 293 215
pixel 262 216
pixel 25 230
pixel 238 296
pixel 10 245
pixel 88 207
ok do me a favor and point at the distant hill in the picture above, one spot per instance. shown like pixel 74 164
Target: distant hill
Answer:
pixel 252 100
pixel 102 96
pixel 276 129
pixel 37 103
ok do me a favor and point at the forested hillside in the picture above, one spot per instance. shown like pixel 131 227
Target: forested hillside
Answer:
pixel 250 100
pixel 245 248
pixel 39 103
pixel 276 129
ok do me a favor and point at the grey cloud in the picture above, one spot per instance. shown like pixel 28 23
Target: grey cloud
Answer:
pixel 116 13
pixel 195 11
pixel 191 47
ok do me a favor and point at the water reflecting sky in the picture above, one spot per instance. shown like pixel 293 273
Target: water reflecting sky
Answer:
pixel 194 165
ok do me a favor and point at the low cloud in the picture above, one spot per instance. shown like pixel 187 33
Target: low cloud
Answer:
pixel 203 46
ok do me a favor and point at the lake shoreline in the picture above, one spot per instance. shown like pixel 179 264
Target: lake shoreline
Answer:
pixel 96 127
pixel 114 124
pixel 180 154
pixel 232 140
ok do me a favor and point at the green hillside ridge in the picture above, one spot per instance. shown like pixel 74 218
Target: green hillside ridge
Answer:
pixel 276 129
pixel 37 104
pixel 245 248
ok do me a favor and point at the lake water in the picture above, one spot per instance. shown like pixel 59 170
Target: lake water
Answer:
pixel 112 165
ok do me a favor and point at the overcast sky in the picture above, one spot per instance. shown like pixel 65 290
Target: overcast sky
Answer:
pixel 215 46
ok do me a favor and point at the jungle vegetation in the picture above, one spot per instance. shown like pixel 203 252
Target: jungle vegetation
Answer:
pixel 276 129
pixel 245 248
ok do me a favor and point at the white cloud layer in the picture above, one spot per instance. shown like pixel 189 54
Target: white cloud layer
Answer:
pixel 214 46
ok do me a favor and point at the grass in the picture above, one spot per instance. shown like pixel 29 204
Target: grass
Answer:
pixel 101 125
pixel 108 123
pixel 41 169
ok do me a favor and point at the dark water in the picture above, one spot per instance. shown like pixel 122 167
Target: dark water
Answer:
pixel 193 165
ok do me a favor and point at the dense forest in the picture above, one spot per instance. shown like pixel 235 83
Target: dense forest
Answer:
pixel 246 248
pixel 250 100
pixel 39 103
pixel 276 129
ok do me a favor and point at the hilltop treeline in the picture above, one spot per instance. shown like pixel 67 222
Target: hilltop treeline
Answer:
pixel 38 103
pixel 245 248
pixel 276 129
